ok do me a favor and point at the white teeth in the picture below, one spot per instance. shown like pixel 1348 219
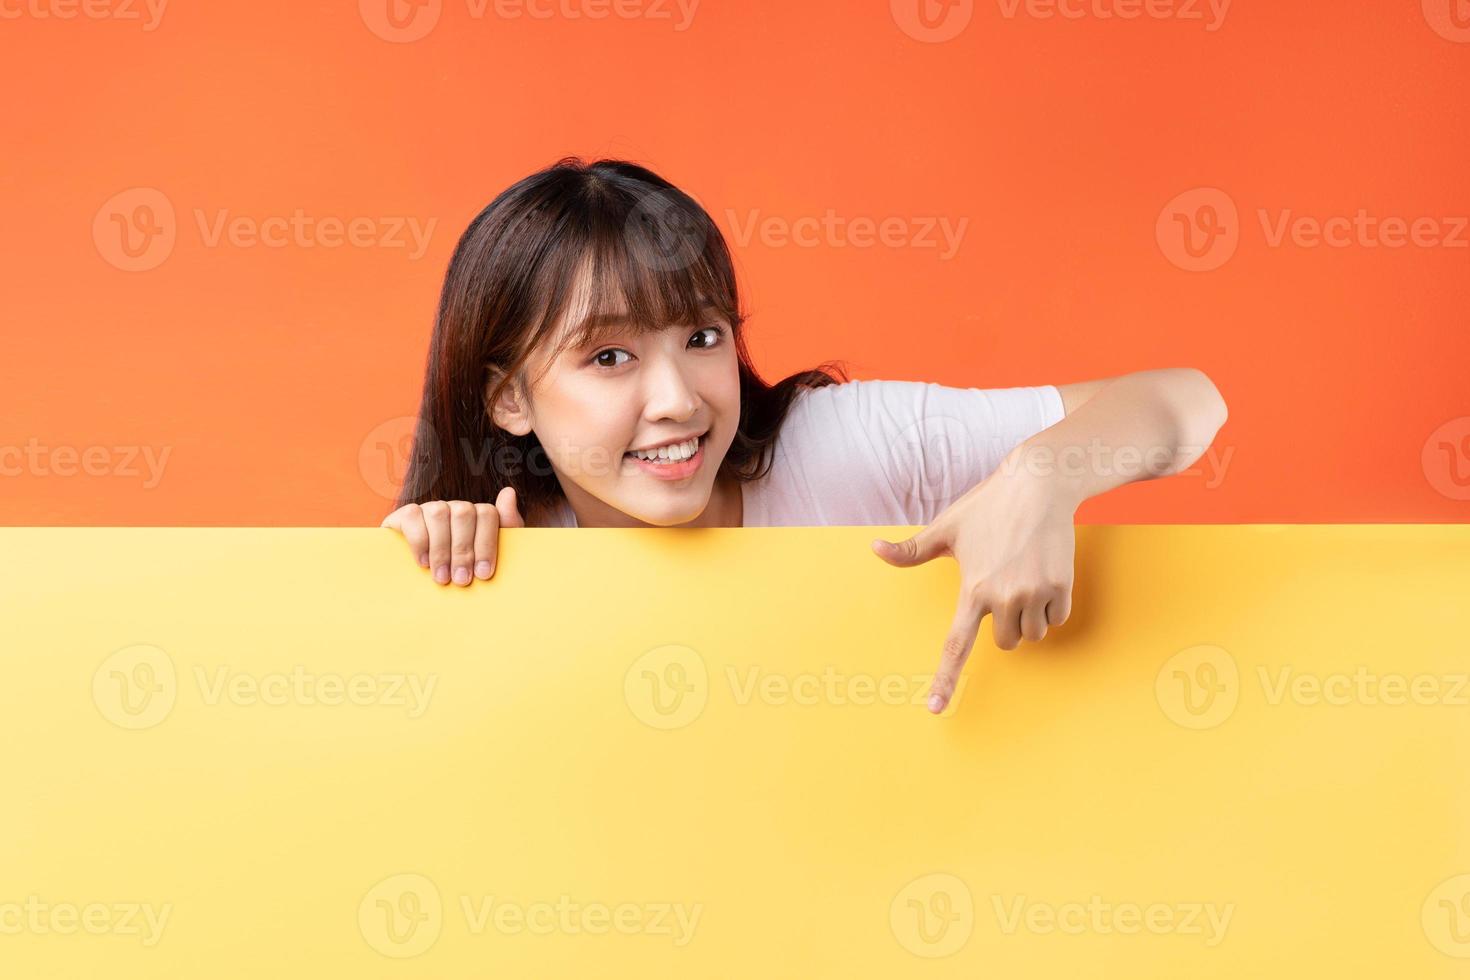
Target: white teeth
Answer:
pixel 670 454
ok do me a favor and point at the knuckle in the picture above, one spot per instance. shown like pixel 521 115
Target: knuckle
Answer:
pixel 435 509
pixel 461 508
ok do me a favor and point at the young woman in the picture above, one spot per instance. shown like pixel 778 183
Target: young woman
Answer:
pixel 588 368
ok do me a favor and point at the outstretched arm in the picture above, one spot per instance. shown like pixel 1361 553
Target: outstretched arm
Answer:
pixel 1118 430
pixel 1013 534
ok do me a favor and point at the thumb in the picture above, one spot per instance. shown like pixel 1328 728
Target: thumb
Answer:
pixel 912 551
pixel 509 507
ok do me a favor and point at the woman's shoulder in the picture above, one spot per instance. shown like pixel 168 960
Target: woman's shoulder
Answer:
pixel 895 405
pixel 824 467
pixel 891 451
pixel 857 407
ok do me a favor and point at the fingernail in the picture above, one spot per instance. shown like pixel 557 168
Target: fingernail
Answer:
pixel 441 575
pixel 936 703
pixel 461 575
pixel 482 569
pixel 423 561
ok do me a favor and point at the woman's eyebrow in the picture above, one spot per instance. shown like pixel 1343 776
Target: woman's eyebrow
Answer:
pixel 603 325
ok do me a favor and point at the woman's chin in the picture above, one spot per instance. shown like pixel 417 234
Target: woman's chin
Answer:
pixel 672 512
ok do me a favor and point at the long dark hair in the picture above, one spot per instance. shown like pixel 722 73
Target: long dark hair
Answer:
pixel 507 287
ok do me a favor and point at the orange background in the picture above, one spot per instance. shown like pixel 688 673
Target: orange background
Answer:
pixel 264 372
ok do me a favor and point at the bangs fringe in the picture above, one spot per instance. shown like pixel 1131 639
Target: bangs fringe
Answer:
pixel 641 267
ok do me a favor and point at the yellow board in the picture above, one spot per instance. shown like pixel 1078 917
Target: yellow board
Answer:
pixel 285 753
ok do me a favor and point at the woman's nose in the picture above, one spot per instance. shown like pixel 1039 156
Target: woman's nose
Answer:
pixel 671 393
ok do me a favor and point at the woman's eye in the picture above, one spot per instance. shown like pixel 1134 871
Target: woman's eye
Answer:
pixel 598 357
pixel 601 358
pixel 717 331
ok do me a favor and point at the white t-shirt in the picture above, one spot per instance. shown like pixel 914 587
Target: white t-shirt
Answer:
pixel 885 452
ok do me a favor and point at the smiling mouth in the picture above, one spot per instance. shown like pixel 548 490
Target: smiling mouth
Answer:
pixel 671 471
pixel 698 446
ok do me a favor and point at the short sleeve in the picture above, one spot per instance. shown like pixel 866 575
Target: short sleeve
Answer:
pixel 900 452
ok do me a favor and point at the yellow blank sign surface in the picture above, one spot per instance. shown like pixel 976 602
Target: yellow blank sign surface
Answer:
pixel 650 753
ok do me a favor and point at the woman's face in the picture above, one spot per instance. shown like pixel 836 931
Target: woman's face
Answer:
pixel 595 404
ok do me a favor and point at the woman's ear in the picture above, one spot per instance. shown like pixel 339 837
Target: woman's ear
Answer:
pixel 511 410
